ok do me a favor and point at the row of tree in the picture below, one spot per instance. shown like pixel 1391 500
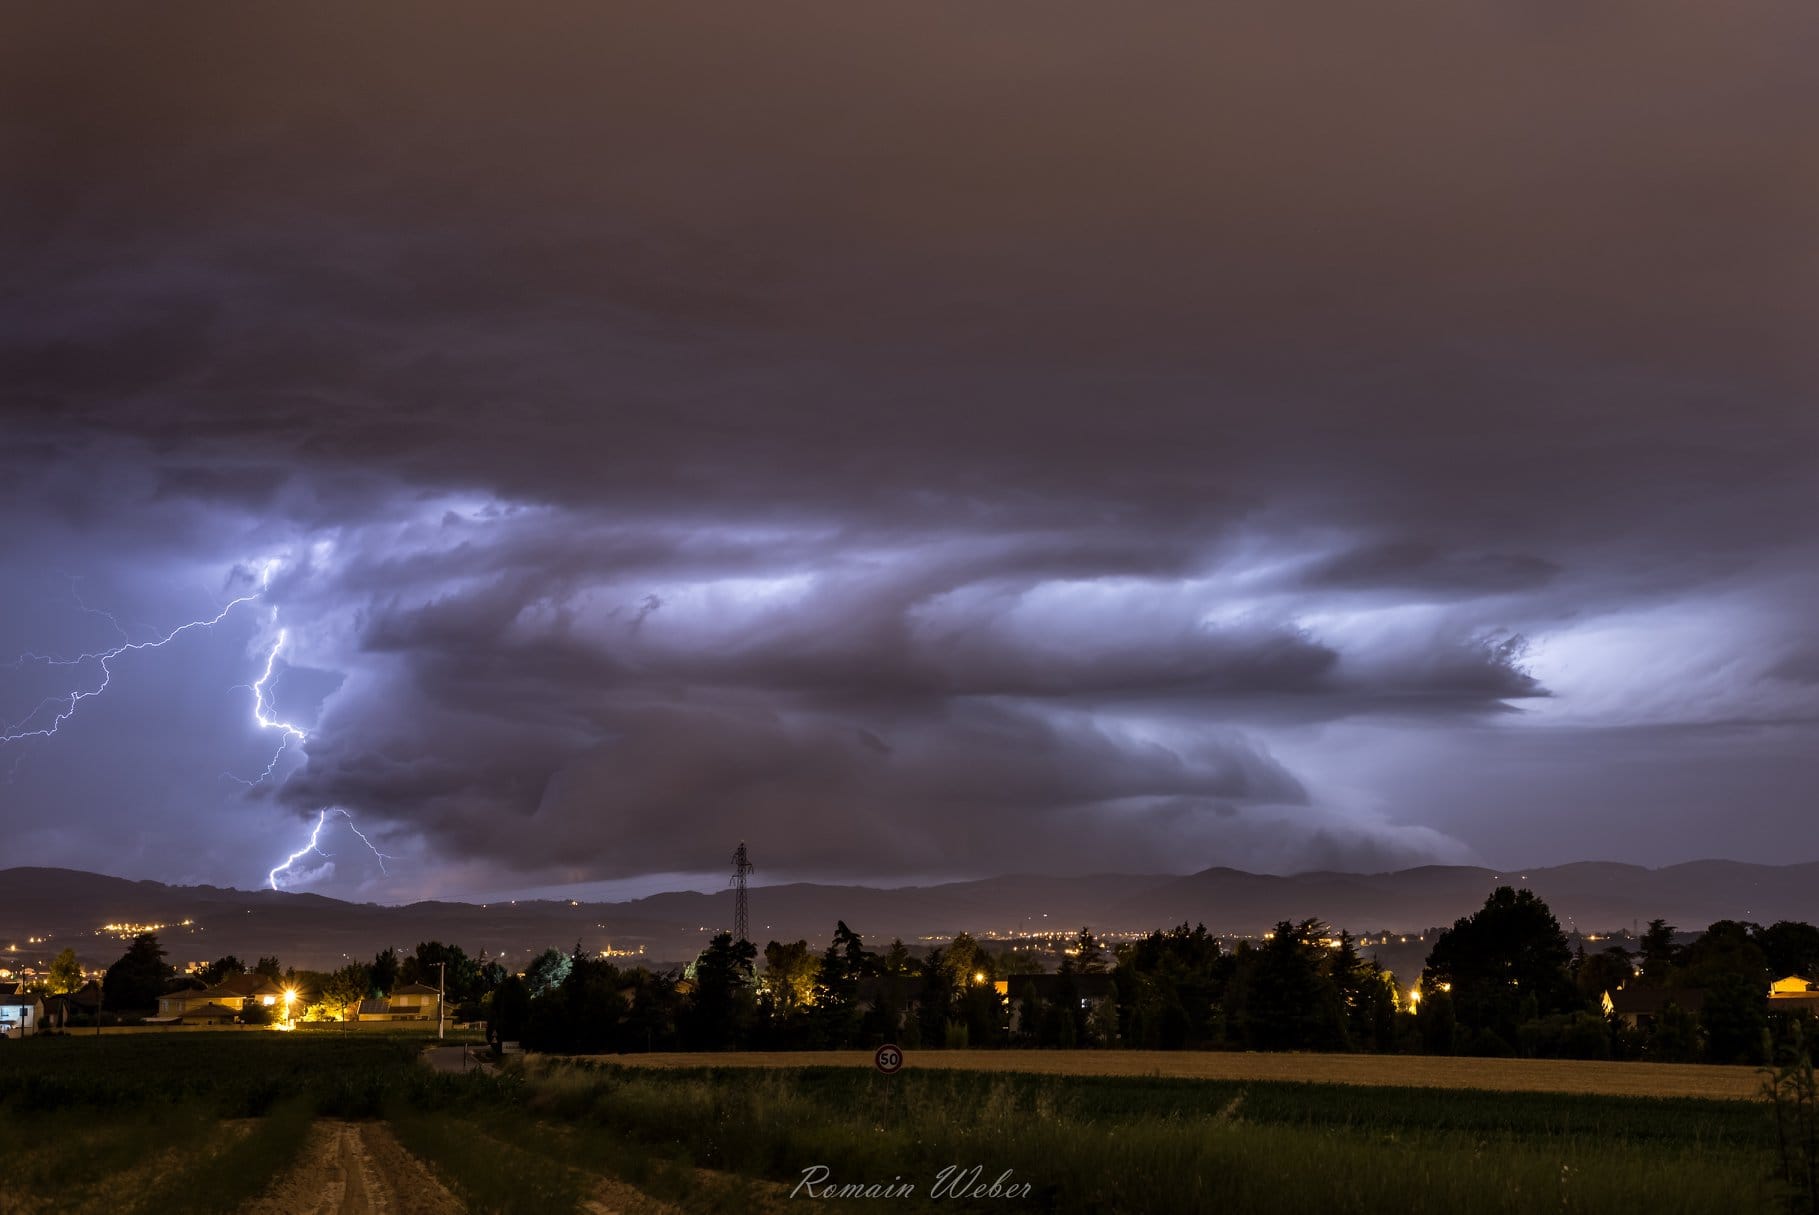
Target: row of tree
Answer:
pixel 133 984
pixel 1503 980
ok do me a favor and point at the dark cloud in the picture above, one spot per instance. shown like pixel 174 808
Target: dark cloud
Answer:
pixel 924 438
pixel 1404 565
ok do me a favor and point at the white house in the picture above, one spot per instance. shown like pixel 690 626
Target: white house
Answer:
pixel 21 1015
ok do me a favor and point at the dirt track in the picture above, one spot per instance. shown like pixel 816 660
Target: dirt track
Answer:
pixel 1414 1071
pixel 356 1168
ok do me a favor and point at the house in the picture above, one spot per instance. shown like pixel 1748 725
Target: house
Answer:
pixel 203 1005
pixel 251 988
pixel 21 1014
pixel 418 1000
pixel 407 1002
pixel 60 1011
pixel 173 1004
pixel 1090 990
pixel 1637 1006
pixel 1793 995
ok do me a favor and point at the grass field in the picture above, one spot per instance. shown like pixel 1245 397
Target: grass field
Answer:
pixel 1404 1071
pixel 301 1123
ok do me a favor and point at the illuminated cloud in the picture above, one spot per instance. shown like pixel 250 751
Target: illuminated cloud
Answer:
pixel 1065 447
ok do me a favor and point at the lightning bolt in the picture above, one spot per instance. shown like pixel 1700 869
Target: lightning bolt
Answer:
pixel 22 729
pixel 315 845
pixel 264 712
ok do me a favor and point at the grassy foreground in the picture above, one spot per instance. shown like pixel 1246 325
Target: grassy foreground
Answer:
pixel 204 1123
pixel 1144 1144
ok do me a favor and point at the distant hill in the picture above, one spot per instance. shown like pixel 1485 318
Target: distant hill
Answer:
pixel 70 906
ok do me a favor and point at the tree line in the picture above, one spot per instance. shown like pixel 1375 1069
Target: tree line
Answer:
pixel 1504 980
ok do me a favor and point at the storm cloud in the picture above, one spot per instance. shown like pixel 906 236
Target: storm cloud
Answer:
pixel 931 444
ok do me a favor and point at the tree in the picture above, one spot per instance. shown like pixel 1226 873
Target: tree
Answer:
pixel 897 959
pixel 833 1022
pixel 855 960
pixel 1674 1037
pixel 66 973
pixel 1597 973
pixel 222 968
pixel 1735 1019
pixel 1437 1023
pixel 1367 995
pixel 596 1007
pixel 1174 985
pixel 789 976
pixel 1659 954
pixel 720 1012
pixel 511 1008
pixel 1029 1013
pixel 1792 948
pixel 1089 954
pixel 270 968
pixel 1508 952
pixel 651 1022
pixel 345 988
pixel 385 971
pixel 964 957
pixel 548 969
pixel 1725 948
pixel 434 962
pixel 982 1011
pixel 935 1004
pixel 1279 997
pixel 1102 1025
pixel 137 979
pixel 492 971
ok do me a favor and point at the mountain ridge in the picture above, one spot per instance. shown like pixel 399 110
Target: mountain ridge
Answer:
pixel 70 906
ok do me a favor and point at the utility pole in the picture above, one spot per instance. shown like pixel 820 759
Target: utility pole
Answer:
pixel 441 995
pixel 742 865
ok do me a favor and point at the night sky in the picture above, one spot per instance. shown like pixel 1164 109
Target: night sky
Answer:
pixel 922 442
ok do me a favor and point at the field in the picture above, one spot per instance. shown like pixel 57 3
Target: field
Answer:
pixel 306 1122
pixel 1399 1071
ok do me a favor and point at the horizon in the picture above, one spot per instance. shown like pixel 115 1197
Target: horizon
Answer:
pixel 1515 876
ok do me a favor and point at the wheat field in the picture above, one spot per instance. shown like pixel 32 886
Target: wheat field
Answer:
pixel 1413 1071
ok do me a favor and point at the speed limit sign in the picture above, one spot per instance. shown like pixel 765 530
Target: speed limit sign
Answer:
pixel 888 1059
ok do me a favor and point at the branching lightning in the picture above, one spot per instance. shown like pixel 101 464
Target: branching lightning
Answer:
pixel 265 717
pixel 18 731
pixel 263 714
pixel 315 845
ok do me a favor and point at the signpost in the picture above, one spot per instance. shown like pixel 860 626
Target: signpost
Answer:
pixel 888 1059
